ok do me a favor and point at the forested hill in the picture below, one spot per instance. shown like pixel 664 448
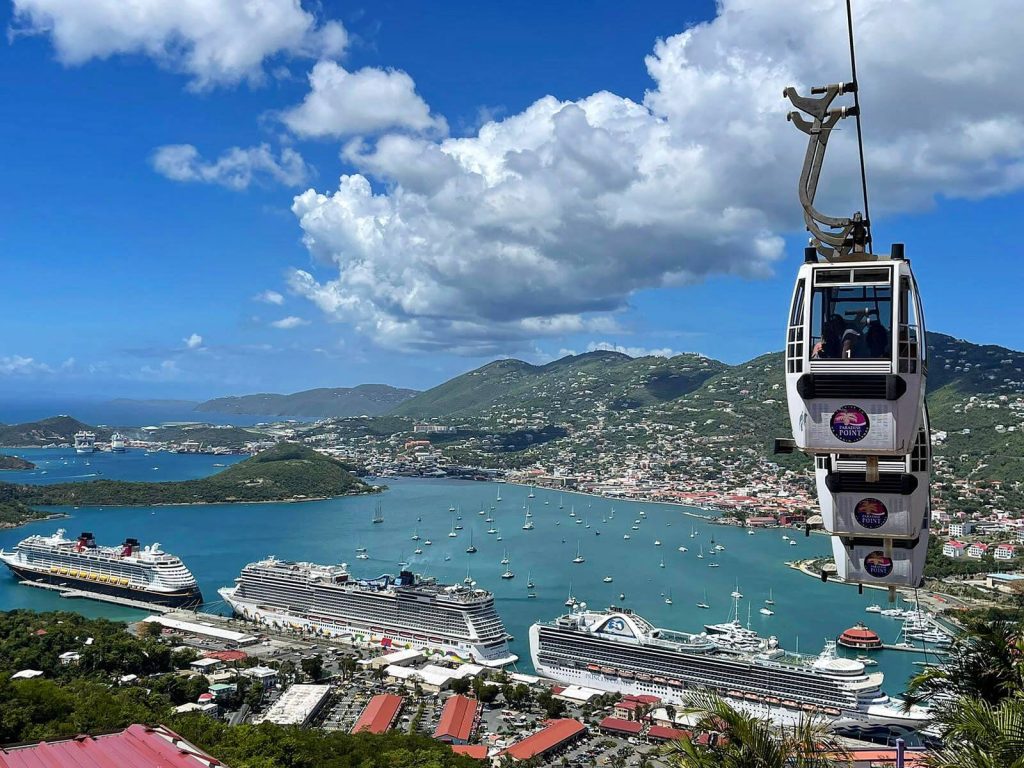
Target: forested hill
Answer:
pixel 572 387
pixel 363 400
pixel 286 472
pixel 52 431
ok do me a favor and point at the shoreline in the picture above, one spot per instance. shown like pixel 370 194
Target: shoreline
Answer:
pixel 211 503
pixel 54 516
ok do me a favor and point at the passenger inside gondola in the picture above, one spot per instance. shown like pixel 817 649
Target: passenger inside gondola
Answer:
pixel 849 322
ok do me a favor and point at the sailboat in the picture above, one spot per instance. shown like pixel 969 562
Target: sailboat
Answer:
pixel 529 580
pixel 451 508
pixel 769 600
pixel 579 558
pixel 452 534
pixel 416 535
pixel 700 555
pixel 418 551
pixel 766 611
pixel 378 514
pixel 668 598
pixel 528 523
pixel 704 603
pixel 570 600
pixel 607 579
pixel 498 537
pixel 427 542
pixel 468 581
pixel 361 553
pixel 560 504
pixel 504 558
pixel 499 495
pixel 508 574
pixel 531 494
pixel 611 515
pixel 692 532
pixel 683 549
pixel 471 549
pixel 662 563
pixel 481 512
pixel 572 511
pixel 736 592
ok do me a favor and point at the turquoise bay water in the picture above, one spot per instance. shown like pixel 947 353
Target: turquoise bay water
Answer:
pixel 215 541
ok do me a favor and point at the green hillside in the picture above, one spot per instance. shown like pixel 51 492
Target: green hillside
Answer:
pixel 14 462
pixel 286 472
pixel 363 400
pixel 576 386
pixel 52 431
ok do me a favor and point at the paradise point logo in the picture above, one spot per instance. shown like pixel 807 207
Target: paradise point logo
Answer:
pixel 871 513
pixel 877 564
pixel 850 424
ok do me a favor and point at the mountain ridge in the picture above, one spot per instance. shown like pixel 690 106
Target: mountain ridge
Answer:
pixel 322 402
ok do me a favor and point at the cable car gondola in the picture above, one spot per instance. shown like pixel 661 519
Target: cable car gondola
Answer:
pixel 882 562
pixel 855 356
pixel 893 506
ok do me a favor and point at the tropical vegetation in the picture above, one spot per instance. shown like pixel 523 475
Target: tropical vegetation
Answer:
pixel 286 472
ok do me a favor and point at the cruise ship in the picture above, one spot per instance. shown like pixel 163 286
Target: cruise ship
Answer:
pixel 145 574
pixel 85 442
pixel 409 611
pixel 117 443
pixel 617 650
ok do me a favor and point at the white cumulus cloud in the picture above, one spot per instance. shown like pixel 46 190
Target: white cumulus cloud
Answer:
pixel 193 341
pixel 236 169
pixel 269 297
pixel 216 42
pixel 553 218
pixel 607 346
pixel 288 323
pixel 19 365
pixel 342 103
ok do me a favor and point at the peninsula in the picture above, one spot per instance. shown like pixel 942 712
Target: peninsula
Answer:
pixel 286 472
pixel 14 462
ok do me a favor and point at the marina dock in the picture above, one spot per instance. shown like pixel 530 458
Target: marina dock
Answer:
pixel 77 593
pixel 914 649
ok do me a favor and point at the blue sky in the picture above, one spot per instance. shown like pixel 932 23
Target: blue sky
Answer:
pixel 650 205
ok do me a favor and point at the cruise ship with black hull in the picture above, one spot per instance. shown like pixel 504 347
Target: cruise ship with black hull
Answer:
pixel 130 571
pixel 617 650
pixel 409 611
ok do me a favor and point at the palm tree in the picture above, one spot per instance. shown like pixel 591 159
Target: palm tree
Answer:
pixel 978 734
pixel 747 741
pixel 985 663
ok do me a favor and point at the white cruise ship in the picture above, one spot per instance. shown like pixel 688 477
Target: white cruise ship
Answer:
pixel 147 574
pixel 85 442
pixel 117 443
pixel 617 650
pixel 408 611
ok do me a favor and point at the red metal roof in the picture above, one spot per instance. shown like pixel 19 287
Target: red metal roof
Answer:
pixel 622 726
pixel 379 714
pixel 663 733
pixel 860 633
pixel 137 746
pixel 556 733
pixel 226 656
pixel 476 751
pixel 457 719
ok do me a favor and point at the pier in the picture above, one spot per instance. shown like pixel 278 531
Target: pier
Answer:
pixel 78 593
pixel 914 649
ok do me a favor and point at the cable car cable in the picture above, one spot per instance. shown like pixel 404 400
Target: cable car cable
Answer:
pixel 856 106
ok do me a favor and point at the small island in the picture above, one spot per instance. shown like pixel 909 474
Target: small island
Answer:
pixel 286 472
pixel 14 462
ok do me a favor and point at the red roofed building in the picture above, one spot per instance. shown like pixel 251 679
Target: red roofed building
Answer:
pixel 476 751
pixel 661 733
pixel 458 720
pixel 628 707
pixel 977 550
pixel 137 746
pixel 226 656
pixel 380 714
pixel 1005 552
pixel 556 734
pixel 618 725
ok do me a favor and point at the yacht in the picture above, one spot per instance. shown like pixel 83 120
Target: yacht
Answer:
pixel 579 558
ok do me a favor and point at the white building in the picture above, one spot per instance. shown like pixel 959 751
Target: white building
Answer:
pixel 961 529
pixel 297 705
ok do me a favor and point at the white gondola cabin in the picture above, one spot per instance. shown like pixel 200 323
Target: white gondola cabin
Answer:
pixel 893 506
pixel 882 562
pixel 855 356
